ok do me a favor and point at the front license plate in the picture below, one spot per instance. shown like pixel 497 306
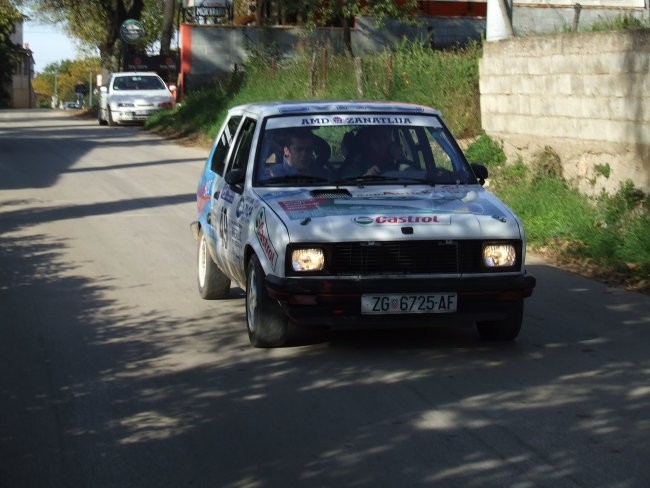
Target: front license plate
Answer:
pixel 415 303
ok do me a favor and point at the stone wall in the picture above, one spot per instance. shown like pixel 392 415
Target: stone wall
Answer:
pixel 586 96
pixel 555 16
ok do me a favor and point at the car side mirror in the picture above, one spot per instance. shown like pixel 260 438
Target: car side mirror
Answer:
pixel 480 171
pixel 103 89
pixel 235 178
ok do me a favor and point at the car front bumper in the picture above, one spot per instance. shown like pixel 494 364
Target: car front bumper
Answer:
pixel 133 114
pixel 337 303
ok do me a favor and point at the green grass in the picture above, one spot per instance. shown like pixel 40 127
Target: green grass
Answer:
pixel 446 80
pixel 619 22
pixel 611 230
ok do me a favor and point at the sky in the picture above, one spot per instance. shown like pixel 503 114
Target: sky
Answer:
pixel 48 44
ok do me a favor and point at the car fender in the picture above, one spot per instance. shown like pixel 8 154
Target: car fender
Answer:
pixel 206 189
pixel 268 236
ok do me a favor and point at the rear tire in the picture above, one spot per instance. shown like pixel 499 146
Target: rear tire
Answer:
pixel 503 330
pixel 213 284
pixel 266 322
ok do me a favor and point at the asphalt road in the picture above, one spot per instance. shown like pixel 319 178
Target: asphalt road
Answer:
pixel 114 373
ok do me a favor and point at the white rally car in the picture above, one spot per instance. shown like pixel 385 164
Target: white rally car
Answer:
pixel 366 236
pixel 130 97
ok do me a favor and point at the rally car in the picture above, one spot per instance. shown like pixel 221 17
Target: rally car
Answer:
pixel 384 224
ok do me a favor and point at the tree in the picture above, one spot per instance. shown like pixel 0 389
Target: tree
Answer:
pixel 167 31
pixel 334 12
pixel 67 74
pixel 95 23
pixel 9 16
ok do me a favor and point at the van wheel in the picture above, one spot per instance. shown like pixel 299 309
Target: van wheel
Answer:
pixel 213 284
pixel 503 330
pixel 267 323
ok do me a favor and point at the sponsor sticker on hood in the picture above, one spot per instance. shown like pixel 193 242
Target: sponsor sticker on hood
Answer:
pixel 412 207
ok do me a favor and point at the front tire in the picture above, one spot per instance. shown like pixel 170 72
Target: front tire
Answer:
pixel 111 122
pixel 503 330
pixel 266 322
pixel 213 284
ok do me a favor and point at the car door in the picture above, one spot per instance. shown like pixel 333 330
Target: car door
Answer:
pixel 230 250
pixel 212 185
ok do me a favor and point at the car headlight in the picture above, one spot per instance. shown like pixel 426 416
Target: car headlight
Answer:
pixel 309 259
pixel 125 104
pixel 499 255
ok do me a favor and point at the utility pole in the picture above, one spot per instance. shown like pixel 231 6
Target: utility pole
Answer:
pixel 499 20
pixel 90 89
pixel 55 97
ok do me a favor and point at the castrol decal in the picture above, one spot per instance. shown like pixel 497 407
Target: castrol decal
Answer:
pixel 422 219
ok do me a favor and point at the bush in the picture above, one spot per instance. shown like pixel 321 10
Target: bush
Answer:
pixel 487 151
pixel 546 164
pixel 612 230
pixel 623 227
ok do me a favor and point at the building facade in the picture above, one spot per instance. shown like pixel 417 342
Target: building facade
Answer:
pixel 21 92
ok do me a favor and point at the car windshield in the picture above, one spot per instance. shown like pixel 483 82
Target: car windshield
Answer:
pixel 360 149
pixel 137 82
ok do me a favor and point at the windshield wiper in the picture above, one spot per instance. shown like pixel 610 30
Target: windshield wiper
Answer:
pixel 364 179
pixel 294 179
pixel 360 180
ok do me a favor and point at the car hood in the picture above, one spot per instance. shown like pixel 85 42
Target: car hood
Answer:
pixel 418 212
pixel 149 96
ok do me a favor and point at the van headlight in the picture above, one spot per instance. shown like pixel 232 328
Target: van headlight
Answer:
pixel 307 259
pixel 499 255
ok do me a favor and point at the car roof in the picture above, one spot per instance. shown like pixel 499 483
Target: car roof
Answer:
pixel 296 107
pixel 134 73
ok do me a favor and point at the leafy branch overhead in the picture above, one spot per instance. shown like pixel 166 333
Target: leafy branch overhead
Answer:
pixel 96 23
pixel 9 15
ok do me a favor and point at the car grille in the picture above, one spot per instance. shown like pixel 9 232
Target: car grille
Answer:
pixel 408 258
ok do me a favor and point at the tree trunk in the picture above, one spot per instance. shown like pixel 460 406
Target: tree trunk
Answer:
pixel 112 51
pixel 169 10
pixel 260 13
pixel 347 36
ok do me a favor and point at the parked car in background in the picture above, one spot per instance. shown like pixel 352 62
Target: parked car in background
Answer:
pixel 71 106
pixel 355 214
pixel 130 97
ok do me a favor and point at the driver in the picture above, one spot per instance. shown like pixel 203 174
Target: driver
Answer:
pixel 299 157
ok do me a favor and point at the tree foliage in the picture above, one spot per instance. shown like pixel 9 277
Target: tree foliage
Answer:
pixel 339 13
pixel 61 78
pixel 9 15
pixel 96 23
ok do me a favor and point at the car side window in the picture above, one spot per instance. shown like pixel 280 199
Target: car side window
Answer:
pixel 218 161
pixel 243 148
pixel 419 151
